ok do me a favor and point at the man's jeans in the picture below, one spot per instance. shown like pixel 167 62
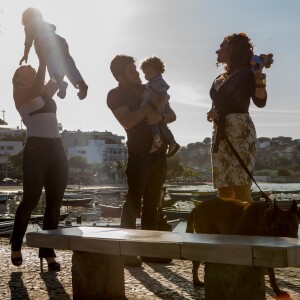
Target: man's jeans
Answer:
pixel 146 174
pixel 45 165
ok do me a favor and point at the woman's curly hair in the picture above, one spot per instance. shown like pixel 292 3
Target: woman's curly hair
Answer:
pixel 241 51
pixel 154 62
pixel 29 14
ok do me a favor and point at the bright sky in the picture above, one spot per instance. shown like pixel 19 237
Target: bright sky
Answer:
pixel 184 33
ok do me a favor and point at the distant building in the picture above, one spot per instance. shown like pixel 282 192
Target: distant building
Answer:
pixel 8 133
pixel 11 143
pixel 96 147
pixel 98 152
pixel 7 149
pixel 10 147
pixel 264 144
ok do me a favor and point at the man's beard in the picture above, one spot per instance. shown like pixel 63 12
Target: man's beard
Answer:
pixel 132 85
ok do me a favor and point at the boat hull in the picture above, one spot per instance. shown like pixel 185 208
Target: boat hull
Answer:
pixel 77 202
pixel 7 224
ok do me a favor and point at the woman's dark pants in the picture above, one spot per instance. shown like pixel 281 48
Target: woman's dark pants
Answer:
pixel 45 165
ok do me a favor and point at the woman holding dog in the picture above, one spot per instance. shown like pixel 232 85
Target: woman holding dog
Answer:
pixel 231 93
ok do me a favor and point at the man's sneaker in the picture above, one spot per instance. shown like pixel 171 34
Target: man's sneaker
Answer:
pixel 132 261
pixel 160 260
pixel 173 149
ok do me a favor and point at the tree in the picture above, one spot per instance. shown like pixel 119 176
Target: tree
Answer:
pixel 188 172
pixel 175 168
pixel 263 139
pixel 79 163
pixel 79 170
pixel 15 165
pixel 121 166
pixel 283 172
pixel 207 141
pixel 116 171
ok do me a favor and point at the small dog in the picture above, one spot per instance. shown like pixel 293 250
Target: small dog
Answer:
pixel 231 216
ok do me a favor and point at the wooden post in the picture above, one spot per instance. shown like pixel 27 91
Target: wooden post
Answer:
pixel 232 282
pixel 97 276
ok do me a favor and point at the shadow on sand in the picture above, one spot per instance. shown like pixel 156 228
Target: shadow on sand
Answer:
pixel 54 287
pixel 17 287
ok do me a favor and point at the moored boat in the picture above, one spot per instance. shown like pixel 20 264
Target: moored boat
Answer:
pixel 181 191
pixel 285 192
pixel 108 211
pixel 193 195
pixel 173 213
pixel 3 201
pixel 6 227
pixel 115 224
pixel 76 201
pixel 77 195
pixel 7 223
pixel 33 218
pixel 3 198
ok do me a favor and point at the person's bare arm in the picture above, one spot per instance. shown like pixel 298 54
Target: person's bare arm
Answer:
pixel 28 43
pixel 51 88
pixel 155 117
pixel 260 93
pixel 129 118
pixel 212 115
pixel 25 55
pixel 170 116
pixel 24 94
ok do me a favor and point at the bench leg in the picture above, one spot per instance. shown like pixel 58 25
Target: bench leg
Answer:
pixel 232 282
pixel 97 276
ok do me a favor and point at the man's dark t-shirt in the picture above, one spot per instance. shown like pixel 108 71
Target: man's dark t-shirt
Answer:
pixel 139 137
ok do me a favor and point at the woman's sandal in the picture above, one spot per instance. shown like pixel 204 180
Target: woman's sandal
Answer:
pixel 52 266
pixel 17 260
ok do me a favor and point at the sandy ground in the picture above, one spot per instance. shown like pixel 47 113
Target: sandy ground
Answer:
pixel 151 281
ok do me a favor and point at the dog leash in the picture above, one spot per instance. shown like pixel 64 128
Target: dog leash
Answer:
pixel 263 194
pixel 268 202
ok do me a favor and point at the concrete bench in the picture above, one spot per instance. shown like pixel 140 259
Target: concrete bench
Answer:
pixel 233 268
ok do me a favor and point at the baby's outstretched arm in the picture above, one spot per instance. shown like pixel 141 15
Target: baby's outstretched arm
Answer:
pixel 25 56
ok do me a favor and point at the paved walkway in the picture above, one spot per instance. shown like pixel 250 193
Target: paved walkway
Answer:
pixel 152 281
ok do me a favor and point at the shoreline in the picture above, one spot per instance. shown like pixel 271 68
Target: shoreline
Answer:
pixel 14 188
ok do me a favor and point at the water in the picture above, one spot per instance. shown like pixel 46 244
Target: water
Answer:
pixel 263 185
pixel 91 213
